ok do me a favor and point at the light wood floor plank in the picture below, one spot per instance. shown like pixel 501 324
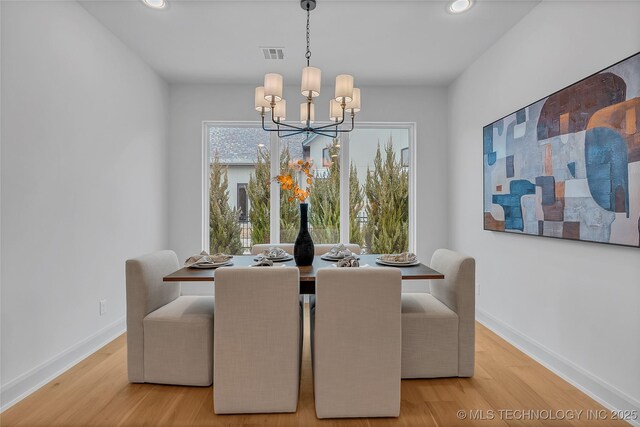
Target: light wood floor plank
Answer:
pixel 96 393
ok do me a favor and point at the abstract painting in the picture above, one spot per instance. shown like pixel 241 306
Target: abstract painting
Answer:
pixel 568 165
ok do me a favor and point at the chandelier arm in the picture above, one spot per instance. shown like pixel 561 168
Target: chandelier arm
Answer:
pixel 290 132
pixel 263 126
pixel 333 124
pixel 330 125
pixel 353 116
pixel 279 130
pixel 273 119
pixel 328 135
pixel 292 127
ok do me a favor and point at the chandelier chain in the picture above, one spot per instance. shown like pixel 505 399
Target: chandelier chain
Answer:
pixel 308 53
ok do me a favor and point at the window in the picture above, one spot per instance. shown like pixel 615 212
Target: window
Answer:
pixel 379 188
pixel 360 191
pixel 324 200
pixel 237 159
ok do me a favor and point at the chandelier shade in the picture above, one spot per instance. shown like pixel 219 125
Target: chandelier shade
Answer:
pixel 273 87
pixel 262 104
pixel 354 105
pixel 280 110
pixel 270 98
pixel 305 114
pixel 335 111
pixel 344 88
pixel 311 81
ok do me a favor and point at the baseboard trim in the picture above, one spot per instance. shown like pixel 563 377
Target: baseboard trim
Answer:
pixel 21 387
pixel 593 386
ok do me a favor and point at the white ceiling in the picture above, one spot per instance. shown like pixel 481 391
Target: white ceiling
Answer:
pixel 379 42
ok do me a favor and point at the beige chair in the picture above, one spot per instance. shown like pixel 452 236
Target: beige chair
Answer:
pixel 438 329
pixel 257 340
pixel 320 249
pixel 169 337
pixel 356 342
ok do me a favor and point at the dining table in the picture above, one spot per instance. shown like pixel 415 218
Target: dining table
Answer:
pixel 307 273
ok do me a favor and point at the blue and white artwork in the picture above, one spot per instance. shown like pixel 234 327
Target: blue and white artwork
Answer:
pixel 568 166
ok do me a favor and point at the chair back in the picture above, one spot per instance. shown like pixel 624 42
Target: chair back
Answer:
pixel 357 342
pixel 458 292
pixel 257 336
pixel 146 292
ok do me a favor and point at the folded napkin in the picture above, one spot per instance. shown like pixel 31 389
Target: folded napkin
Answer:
pixel 205 258
pixel 264 262
pixel 274 252
pixel 340 251
pixel 349 261
pixel 403 257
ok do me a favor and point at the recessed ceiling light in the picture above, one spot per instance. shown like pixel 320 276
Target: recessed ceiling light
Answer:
pixel 155 4
pixel 459 6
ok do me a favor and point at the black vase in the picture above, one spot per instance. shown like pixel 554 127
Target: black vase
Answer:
pixel 303 250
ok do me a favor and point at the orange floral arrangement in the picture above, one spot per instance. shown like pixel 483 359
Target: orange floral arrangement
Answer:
pixel 286 181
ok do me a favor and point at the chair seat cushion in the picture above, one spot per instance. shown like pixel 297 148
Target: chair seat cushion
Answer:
pixel 425 305
pixel 429 337
pixel 178 342
pixel 184 309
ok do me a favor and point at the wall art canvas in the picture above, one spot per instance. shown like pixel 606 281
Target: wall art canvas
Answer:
pixel 568 166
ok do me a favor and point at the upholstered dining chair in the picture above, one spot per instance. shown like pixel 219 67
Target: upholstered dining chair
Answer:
pixel 169 337
pixel 257 340
pixel 438 328
pixel 320 249
pixel 356 342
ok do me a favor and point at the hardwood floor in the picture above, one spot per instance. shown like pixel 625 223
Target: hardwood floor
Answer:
pixel 96 393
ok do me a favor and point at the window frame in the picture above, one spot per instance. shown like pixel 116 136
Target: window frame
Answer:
pixel 274 148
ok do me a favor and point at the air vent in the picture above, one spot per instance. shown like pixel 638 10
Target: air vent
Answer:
pixel 273 52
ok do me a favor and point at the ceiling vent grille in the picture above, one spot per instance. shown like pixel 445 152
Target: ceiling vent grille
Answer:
pixel 273 52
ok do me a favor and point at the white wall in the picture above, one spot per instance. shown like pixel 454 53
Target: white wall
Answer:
pixel 83 184
pixel 572 304
pixel 190 105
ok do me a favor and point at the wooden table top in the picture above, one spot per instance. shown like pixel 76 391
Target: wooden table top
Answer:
pixel 307 274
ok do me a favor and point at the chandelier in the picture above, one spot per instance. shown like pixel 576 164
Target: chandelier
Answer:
pixel 268 98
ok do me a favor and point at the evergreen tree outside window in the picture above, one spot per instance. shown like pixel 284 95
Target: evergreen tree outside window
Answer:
pixel 324 202
pixel 224 222
pixel 258 191
pixel 379 215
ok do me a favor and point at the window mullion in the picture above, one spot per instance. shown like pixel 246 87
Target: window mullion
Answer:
pixel 344 189
pixel 412 188
pixel 274 219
